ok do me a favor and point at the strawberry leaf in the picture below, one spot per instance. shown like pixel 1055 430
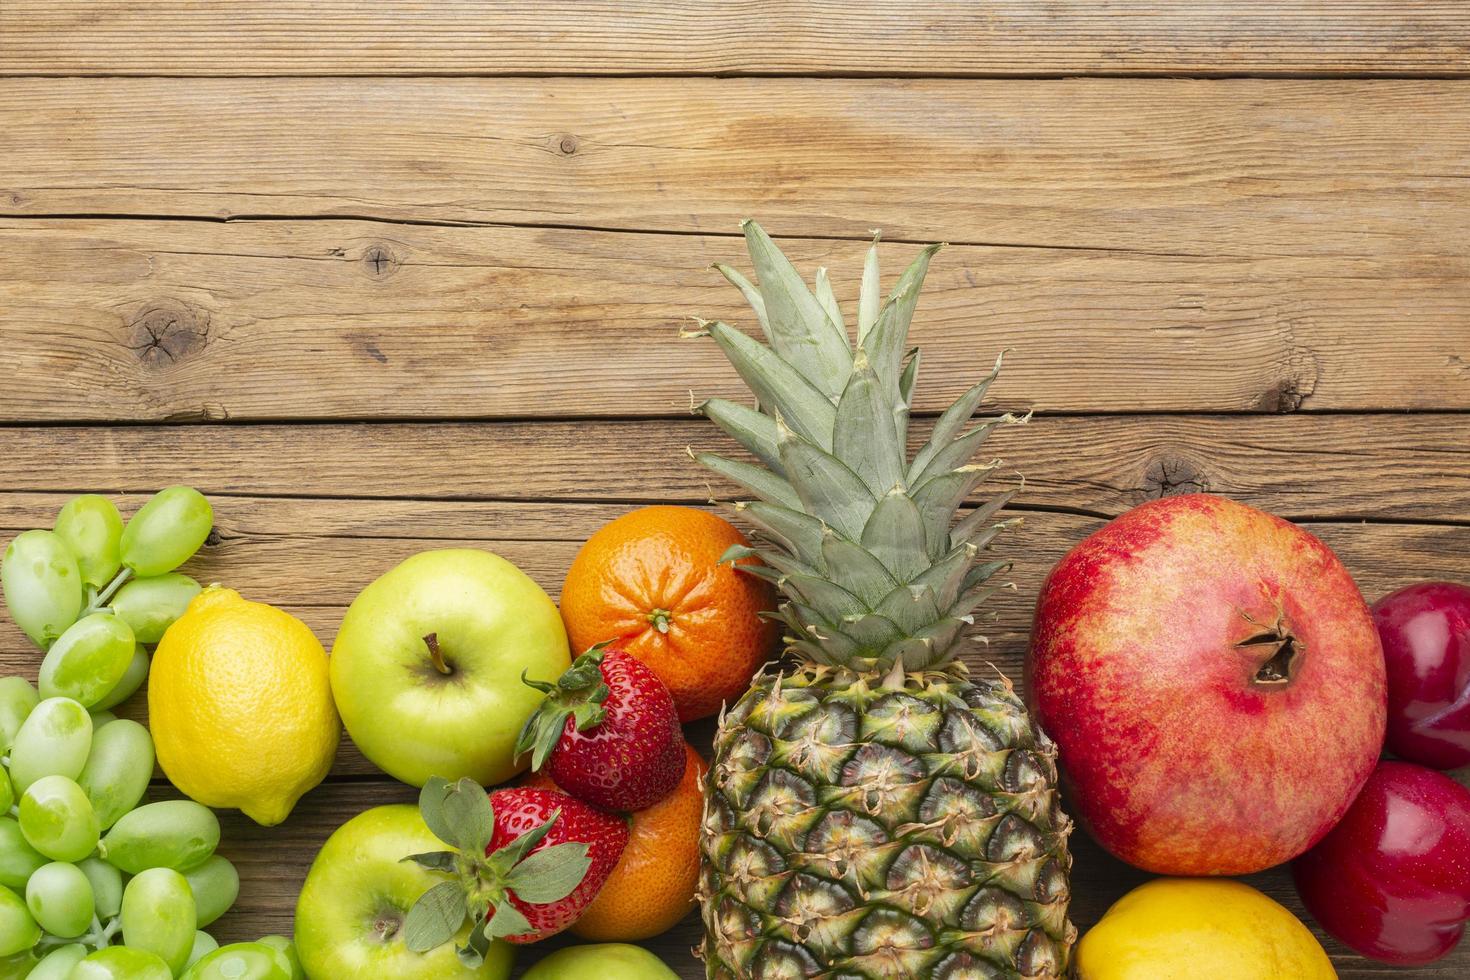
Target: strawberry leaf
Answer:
pixel 549 875
pixel 472 954
pixel 431 808
pixel 507 920
pixel 434 860
pixel 470 816
pixel 435 917
pixel 578 693
pixel 511 854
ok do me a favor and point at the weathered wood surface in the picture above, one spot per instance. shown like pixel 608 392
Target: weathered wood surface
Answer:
pixel 885 37
pixel 1236 167
pixel 151 320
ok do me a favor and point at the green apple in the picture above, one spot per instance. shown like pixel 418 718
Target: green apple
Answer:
pixel 350 914
pixel 601 961
pixel 427 666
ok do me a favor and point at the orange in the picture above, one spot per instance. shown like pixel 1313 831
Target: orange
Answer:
pixel 652 581
pixel 652 886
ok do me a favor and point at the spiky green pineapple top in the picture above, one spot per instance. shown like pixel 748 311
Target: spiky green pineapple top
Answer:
pixel 860 539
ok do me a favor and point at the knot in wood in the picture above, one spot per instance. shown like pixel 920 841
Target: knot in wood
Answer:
pixel 378 261
pixel 166 333
pixel 566 144
pixel 1170 475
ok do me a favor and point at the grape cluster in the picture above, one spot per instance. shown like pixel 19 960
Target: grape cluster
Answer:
pixel 92 885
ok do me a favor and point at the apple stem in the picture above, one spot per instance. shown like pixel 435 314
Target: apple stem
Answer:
pixel 436 657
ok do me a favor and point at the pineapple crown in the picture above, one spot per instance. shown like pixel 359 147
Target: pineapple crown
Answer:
pixel 859 538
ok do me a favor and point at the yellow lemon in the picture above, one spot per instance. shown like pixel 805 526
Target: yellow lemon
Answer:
pixel 240 705
pixel 1200 929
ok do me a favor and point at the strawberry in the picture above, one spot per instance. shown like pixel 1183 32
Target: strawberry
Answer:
pixel 608 732
pixel 526 863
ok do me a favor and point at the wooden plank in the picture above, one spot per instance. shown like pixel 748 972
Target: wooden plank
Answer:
pixel 148 320
pixel 1242 167
pixel 565 37
pixel 313 557
pixel 1339 467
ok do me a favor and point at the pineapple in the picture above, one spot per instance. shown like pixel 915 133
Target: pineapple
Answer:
pixel 872 811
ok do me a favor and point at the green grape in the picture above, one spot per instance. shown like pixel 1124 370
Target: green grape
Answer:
pixel 18 966
pixel 118 769
pixel 132 679
pixel 18 931
pixel 60 897
pixel 88 660
pixel 58 964
pixel 158 915
pixel 166 531
pixel 18 859
pixel 57 819
pixel 7 792
pixel 100 718
pixel 215 884
pixel 289 948
pixel 18 699
pixel 204 944
pixel 43 587
pixel 176 834
pixel 122 963
pixel 53 741
pixel 242 961
pixel 107 886
pixel 150 605
pixel 91 527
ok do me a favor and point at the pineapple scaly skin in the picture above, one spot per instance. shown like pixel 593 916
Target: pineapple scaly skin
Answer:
pixel 871 812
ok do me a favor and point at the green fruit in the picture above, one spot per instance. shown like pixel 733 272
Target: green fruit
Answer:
pixel 215 884
pixel 18 698
pixel 349 917
pixel 91 527
pixel 490 623
pixel 58 964
pixel 60 898
pixel 118 769
pixel 158 915
pixel 18 930
pixel 54 740
pixel 43 586
pixel 122 963
pixel 204 944
pixel 107 886
pixel 601 961
pixel 18 859
pixel 242 961
pixel 132 679
pixel 289 948
pixel 166 531
pixel 89 659
pixel 57 819
pixel 176 834
pixel 151 605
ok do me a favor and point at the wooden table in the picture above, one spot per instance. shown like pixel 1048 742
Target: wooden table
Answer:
pixel 386 277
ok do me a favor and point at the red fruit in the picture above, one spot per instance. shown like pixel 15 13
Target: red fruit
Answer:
pixel 1425 630
pixel 1213 682
pixel 1392 880
pixel 608 732
pixel 520 811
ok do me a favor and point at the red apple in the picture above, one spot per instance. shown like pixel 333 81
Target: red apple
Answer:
pixel 1213 682
pixel 1425 630
pixel 1392 880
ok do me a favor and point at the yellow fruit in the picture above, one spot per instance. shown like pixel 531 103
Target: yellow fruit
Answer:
pixel 240 706
pixel 1200 929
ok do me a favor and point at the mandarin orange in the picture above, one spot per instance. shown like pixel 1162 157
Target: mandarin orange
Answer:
pixel 652 581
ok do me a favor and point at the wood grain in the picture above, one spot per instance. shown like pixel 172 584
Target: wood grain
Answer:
pixel 1400 468
pixel 169 320
pixel 886 37
pixel 1241 167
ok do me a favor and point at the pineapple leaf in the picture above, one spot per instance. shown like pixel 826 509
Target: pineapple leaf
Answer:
pixel 751 294
pixel 940 497
pixel 872 631
pixel 947 576
pixel 827 488
pixel 973 523
pixel 777 384
pixel 763 483
pixel 907 380
pixel 777 564
pixel 927 646
pixel 864 433
pixel 872 292
pixel 953 420
pixel 754 430
pixel 894 535
pixel 829 301
pixel 798 533
pixel 801 332
pixel 827 597
pixel 956 454
pixel 912 608
pixel 854 569
pixel 885 342
pixel 982 573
